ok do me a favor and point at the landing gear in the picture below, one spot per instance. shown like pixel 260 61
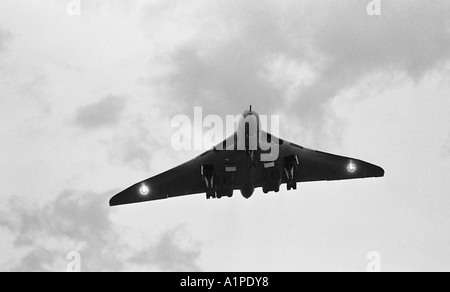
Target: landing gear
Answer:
pixel 225 187
pixel 267 189
pixel 219 183
pixel 207 172
pixel 228 179
pixel 251 158
pixel 210 194
pixel 291 164
pixel 272 178
pixel 291 185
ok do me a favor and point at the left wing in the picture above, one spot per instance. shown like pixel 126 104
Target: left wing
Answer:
pixel 313 165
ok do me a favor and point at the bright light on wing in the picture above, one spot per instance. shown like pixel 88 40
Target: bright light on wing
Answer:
pixel 144 190
pixel 351 167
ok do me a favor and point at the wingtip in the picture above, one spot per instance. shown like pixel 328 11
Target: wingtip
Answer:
pixel 112 202
pixel 118 199
pixel 380 172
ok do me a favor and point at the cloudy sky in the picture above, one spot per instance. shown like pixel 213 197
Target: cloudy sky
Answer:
pixel 86 103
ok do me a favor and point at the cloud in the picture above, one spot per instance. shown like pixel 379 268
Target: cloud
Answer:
pixel 409 37
pixel 132 144
pixel 38 259
pixel 220 67
pixel 228 63
pixel 104 113
pixel 135 144
pixel 81 222
pixel 169 255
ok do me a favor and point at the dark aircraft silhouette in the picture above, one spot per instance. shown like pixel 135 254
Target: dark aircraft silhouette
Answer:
pixel 237 164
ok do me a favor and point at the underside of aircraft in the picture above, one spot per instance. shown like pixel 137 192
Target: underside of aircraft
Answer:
pixel 244 161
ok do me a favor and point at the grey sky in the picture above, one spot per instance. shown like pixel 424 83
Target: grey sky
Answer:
pixel 3 38
pixel 103 113
pixel 337 42
pixel 86 104
pixel 446 148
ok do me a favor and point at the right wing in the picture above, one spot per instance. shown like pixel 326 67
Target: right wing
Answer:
pixel 185 179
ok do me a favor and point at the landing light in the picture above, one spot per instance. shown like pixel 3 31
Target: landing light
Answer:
pixel 144 190
pixel 351 167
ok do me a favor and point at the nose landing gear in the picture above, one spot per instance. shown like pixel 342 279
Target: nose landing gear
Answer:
pixel 251 156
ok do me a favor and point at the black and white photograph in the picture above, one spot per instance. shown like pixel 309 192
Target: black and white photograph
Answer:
pixel 224 136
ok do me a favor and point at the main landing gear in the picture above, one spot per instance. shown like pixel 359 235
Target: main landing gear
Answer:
pixel 291 164
pixel 207 172
pixel 218 183
pixel 272 178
